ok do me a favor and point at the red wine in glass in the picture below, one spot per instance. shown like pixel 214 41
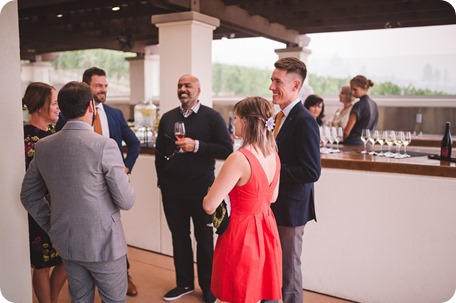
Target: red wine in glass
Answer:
pixel 179 130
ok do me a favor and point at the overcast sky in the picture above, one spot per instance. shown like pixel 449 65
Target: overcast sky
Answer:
pixel 373 43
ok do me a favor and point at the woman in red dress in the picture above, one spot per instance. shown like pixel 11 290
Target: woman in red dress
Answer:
pixel 247 264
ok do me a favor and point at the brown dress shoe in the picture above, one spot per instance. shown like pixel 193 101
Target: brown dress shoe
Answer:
pixel 132 290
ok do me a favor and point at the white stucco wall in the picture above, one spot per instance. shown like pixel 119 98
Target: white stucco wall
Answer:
pixel 15 279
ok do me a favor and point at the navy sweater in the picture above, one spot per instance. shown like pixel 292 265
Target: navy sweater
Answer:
pixel 190 174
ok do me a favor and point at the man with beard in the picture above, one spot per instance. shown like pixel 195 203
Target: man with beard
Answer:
pixel 185 171
pixel 110 123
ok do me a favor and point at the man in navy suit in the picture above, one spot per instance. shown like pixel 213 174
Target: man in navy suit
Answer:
pixel 113 125
pixel 298 142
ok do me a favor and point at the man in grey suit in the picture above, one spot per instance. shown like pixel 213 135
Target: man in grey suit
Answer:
pixel 84 175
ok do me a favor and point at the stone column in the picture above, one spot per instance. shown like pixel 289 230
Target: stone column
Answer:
pixel 145 76
pixel 38 71
pixel 299 51
pixel 185 48
pixel 302 53
pixel 15 279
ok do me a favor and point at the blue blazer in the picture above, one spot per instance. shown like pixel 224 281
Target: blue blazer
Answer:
pixel 119 131
pixel 298 142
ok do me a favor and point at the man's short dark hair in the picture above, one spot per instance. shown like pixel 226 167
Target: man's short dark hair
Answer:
pixel 292 65
pixel 74 98
pixel 88 73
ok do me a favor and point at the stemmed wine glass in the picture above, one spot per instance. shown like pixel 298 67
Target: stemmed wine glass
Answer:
pixel 179 132
pixel 406 142
pixel 398 142
pixel 380 136
pixel 365 134
pixel 390 138
pixel 337 134
pixel 324 140
pixel 329 137
pixel 373 139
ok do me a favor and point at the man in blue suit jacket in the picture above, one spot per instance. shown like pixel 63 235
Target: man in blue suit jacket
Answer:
pixel 114 126
pixel 298 142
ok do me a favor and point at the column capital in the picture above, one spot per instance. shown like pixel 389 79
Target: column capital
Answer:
pixel 293 51
pixel 185 16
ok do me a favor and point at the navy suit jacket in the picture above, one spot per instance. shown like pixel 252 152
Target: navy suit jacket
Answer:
pixel 298 143
pixel 119 131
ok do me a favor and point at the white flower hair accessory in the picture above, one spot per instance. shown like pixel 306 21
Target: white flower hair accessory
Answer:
pixel 269 124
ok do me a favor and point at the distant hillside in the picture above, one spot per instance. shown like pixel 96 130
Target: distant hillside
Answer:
pixel 437 73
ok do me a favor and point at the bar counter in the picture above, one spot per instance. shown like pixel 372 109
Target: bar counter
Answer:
pixel 352 159
pixel 385 229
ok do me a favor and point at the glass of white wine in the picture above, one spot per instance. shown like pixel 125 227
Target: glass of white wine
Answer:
pixel 372 140
pixel 338 134
pixel 390 137
pixel 406 141
pixel 380 135
pixel 365 134
pixel 398 142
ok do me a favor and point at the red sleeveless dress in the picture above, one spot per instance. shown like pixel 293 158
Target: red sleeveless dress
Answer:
pixel 247 264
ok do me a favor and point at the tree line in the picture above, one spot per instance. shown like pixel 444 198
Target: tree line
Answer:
pixel 229 80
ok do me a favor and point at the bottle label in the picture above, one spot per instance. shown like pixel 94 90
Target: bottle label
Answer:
pixel 419 118
pixel 444 153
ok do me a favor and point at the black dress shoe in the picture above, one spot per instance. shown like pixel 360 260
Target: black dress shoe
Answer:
pixel 177 292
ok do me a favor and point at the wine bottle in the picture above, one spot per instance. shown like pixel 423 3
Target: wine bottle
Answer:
pixel 447 143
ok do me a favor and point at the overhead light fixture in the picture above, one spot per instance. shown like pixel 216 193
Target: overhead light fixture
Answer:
pixel 59 15
pixel 391 24
pixel 115 8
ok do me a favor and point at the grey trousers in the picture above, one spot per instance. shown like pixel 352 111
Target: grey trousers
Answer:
pixel 291 241
pixel 110 277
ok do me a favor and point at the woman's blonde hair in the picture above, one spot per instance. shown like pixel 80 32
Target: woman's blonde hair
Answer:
pixel 256 111
pixel 346 90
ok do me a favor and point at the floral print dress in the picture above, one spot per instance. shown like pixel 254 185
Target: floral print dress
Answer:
pixel 42 252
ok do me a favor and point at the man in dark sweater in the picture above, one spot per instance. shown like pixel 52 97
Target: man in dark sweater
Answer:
pixel 185 171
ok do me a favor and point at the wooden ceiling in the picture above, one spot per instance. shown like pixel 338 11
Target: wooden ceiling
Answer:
pixel 48 26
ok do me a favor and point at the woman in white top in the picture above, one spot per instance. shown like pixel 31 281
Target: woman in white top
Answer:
pixel 340 117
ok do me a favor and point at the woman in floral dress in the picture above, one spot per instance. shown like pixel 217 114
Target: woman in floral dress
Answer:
pixel 41 102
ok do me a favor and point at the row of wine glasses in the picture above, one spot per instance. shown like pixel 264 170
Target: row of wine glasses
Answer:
pixel 390 137
pixel 330 135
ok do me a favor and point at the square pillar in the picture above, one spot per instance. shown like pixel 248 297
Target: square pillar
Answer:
pixel 144 77
pixel 185 41
pixel 302 54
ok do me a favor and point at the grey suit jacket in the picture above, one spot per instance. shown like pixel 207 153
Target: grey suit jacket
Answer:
pixel 84 174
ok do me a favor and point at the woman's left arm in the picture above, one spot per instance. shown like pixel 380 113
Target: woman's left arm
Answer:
pixel 232 171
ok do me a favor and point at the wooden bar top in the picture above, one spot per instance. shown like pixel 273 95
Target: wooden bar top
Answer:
pixel 351 158
pixel 428 140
